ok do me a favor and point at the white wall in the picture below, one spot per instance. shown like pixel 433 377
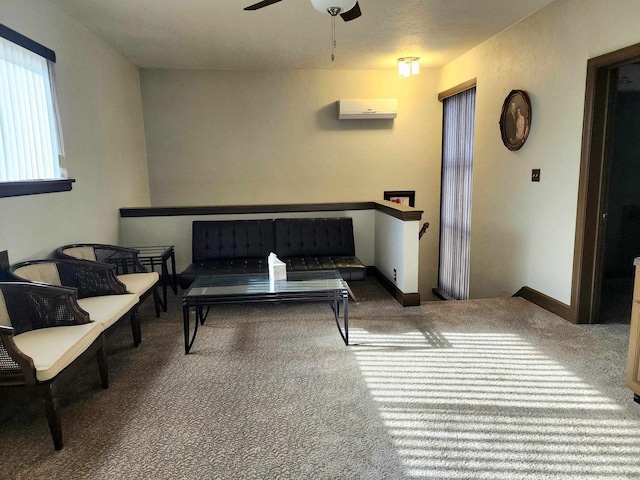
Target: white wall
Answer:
pixel 101 115
pixel 522 233
pixel 399 265
pixel 234 138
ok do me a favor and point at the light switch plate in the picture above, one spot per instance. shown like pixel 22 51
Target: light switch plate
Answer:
pixel 535 175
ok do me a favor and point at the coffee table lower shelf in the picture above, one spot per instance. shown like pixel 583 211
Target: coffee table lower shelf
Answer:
pixel 209 290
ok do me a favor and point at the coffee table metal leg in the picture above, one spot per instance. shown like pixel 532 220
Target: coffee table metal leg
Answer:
pixel 189 342
pixel 345 314
pixel 203 316
pixel 335 306
pixel 185 321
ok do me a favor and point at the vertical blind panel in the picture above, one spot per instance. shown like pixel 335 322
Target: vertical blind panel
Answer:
pixel 457 167
pixel 29 146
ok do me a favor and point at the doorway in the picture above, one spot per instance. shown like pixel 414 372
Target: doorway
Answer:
pixel 622 233
pixel 608 214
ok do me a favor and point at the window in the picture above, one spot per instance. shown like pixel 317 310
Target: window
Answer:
pixel 31 145
pixel 455 210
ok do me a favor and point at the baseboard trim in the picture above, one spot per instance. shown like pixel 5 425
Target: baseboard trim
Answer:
pixel 404 299
pixel 551 304
pixel 441 294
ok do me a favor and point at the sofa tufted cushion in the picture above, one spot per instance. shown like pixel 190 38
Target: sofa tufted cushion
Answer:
pixel 54 348
pixel 350 267
pixel 232 239
pixel 222 267
pixel 321 237
pixel 108 309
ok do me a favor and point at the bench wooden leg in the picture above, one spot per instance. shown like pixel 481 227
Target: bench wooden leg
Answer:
pixel 103 367
pixel 135 328
pixel 156 302
pixel 53 414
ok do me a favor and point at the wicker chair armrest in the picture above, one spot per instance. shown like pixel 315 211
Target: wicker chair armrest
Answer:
pixel 4 330
pixel 15 366
pixel 125 259
pixel 34 305
pixel 90 279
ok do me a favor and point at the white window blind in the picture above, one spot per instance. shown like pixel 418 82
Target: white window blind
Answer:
pixel 455 210
pixel 30 139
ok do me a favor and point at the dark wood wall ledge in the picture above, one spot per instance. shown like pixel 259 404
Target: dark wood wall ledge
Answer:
pixel 402 212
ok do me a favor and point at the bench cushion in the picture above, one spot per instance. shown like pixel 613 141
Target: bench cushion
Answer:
pixel 108 309
pixel 54 348
pixel 139 283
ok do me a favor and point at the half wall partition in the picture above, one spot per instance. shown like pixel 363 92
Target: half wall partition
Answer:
pixel 385 233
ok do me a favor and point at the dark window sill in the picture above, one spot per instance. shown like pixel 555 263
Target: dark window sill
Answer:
pixel 34 187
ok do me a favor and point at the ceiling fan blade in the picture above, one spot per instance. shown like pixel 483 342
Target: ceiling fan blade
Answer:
pixel 264 3
pixel 351 14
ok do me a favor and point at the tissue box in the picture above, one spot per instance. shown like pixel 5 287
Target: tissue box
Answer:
pixel 277 268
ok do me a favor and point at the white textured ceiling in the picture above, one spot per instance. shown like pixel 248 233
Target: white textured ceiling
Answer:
pixel 291 34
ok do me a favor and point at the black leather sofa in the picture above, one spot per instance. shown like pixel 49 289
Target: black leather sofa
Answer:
pixel 242 246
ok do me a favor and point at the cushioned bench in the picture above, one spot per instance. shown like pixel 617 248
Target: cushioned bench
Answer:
pixel 242 246
pixel 99 292
pixel 129 270
pixel 43 333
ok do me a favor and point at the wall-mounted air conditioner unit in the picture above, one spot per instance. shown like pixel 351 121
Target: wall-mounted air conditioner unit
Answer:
pixel 368 109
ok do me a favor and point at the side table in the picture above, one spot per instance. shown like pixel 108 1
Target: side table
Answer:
pixel 159 256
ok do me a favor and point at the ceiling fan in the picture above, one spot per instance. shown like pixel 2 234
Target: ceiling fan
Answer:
pixel 347 9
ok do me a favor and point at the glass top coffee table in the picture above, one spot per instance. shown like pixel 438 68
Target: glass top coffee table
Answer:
pixel 315 286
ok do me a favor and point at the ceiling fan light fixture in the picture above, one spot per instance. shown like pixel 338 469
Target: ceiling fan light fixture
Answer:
pixel 408 66
pixel 330 6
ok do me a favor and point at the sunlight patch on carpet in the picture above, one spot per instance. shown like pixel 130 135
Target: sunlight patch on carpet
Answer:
pixel 482 405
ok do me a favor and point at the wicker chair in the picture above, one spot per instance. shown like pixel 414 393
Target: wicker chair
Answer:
pixel 98 290
pixel 43 331
pixel 129 269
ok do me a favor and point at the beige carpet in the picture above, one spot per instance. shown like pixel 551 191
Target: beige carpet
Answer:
pixel 486 389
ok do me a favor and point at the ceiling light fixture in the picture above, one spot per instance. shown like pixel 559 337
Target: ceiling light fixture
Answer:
pixel 333 8
pixel 408 66
pixel 325 6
